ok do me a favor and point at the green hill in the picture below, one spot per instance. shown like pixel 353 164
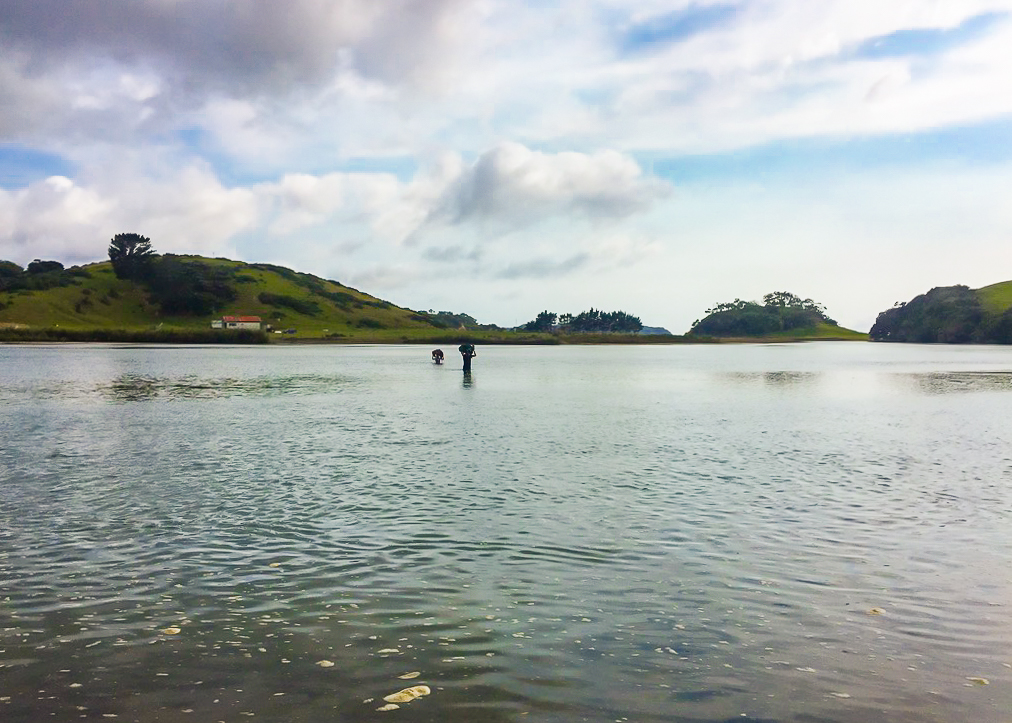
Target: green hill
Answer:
pixel 950 315
pixel 191 291
pixel 781 316
pixel 996 298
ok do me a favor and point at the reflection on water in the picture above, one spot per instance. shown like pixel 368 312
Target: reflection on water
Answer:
pixel 138 387
pixel 590 534
pixel 955 382
pixel 771 378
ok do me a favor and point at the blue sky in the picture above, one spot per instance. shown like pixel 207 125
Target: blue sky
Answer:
pixel 499 158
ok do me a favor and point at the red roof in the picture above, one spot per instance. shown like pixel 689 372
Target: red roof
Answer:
pixel 241 318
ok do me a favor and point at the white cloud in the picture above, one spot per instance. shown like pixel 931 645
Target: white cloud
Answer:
pixel 56 210
pixel 278 87
pixel 514 186
pixel 188 211
pixel 304 200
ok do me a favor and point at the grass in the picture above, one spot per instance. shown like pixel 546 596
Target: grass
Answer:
pixel 996 297
pixel 823 332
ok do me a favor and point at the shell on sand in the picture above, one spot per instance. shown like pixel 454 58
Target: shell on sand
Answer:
pixel 409 676
pixel 408 694
pixel 389 706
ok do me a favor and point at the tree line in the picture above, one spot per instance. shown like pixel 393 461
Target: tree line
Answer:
pixel 593 321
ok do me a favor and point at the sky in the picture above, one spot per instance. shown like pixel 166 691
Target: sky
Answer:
pixel 500 158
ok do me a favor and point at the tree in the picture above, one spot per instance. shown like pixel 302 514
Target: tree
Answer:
pixel 944 315
pixel 782 299
pixel 131 255
pixel 593 321
pixel 596 321
pixel 190 288
pixel 41 267
pixel 9 269
pixel 545 321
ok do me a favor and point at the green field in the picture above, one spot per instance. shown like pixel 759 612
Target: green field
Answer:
pixel 822 332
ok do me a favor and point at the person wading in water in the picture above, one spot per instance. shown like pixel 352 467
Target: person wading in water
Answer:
pixel 467 351
pixel 437 356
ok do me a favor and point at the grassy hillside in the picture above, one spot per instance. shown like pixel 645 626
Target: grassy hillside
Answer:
pixel 820 332
pixel 93 298
pixel 996 298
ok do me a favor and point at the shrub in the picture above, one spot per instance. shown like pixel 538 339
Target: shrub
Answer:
pixel 43 267
pixel 301 306
pixel 189 287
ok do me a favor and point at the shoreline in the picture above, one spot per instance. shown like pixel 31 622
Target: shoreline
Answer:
pixel 253 338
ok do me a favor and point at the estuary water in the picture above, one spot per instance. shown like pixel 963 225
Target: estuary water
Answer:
pixel 798 532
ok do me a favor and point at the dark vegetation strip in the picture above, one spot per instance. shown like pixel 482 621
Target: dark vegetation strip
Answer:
pixel 156 336
pixel 302 306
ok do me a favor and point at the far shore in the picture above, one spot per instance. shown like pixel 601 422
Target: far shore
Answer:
pixel 23 335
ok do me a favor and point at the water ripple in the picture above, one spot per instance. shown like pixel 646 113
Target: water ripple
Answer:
pixel 694 544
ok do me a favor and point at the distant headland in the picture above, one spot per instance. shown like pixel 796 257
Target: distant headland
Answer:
pixel 950 315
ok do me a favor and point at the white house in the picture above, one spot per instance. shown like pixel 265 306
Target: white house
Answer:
pixel 237 322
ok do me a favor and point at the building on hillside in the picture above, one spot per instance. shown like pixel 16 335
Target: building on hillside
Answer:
pixel 237 322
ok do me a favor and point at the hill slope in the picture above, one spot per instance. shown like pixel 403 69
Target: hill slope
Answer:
pixel 996 298
pixel 950 315
pixel 194 291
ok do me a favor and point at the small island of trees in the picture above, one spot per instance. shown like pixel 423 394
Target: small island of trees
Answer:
pixel 780 311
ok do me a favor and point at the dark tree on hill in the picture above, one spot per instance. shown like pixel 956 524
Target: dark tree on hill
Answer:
pixel 545 321
pixel 782 299
pixel 9 269
pixel 131 256
pixel 10 274
pixel 999 329
pixel 944 315
pixel 38 276
pixel 189 288
pixel 42 267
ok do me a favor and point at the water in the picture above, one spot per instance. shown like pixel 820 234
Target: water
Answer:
pixel 815 532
